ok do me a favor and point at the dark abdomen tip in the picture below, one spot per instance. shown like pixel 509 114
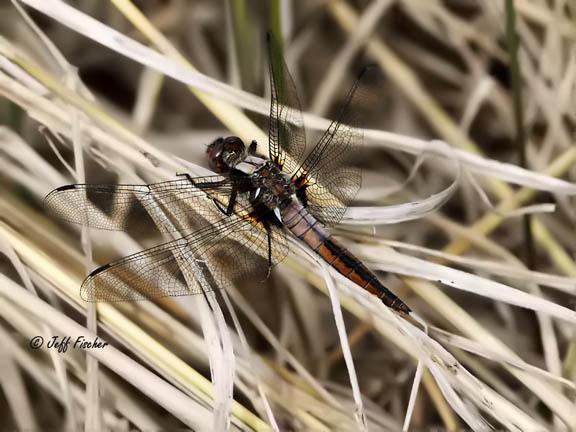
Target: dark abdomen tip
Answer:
pixel 393 302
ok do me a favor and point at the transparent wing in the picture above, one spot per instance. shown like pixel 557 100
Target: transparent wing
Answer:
pixel 325 181
pixel 137 207
pixel 329 198
pixel 234 249
pixel 286 129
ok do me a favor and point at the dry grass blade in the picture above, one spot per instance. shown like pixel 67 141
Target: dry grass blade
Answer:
pixel 490 343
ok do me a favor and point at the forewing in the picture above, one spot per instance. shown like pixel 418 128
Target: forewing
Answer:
pixel 137 207
pixel 234 249
pixel 286 129
pixel 326 179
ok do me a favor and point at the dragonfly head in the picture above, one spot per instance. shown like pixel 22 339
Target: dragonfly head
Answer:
pixel 225 153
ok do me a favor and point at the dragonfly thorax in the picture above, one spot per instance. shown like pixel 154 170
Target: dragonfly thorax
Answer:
pixel 272 185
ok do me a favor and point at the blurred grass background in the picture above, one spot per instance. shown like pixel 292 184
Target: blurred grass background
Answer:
pixel 493 78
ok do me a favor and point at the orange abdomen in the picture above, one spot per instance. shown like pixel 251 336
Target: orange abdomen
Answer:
pixel 308 229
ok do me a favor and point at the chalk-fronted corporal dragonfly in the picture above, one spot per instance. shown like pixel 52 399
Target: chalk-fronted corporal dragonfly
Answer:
pixel 232 225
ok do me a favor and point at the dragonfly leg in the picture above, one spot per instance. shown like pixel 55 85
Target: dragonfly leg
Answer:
pixel 301 195
pixel 202 184
pixel 219 207
pixel 269 232
pixel 188 176
pixel 232 201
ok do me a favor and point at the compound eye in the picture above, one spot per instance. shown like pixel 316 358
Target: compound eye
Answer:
pixel 234 144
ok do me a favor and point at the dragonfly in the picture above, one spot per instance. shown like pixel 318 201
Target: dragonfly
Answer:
pixel 234 225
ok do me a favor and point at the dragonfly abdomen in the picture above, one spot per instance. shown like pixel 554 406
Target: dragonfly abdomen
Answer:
pixel 308 229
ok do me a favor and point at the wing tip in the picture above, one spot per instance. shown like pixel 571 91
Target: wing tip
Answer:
pixel 54 192
pixel 87 289
pixel 85 292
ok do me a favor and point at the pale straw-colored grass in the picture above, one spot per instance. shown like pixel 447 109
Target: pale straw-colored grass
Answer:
pixel 489 342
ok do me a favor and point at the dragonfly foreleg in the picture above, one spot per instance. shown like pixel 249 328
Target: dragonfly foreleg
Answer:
pixel 203 184
pixel 188 176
